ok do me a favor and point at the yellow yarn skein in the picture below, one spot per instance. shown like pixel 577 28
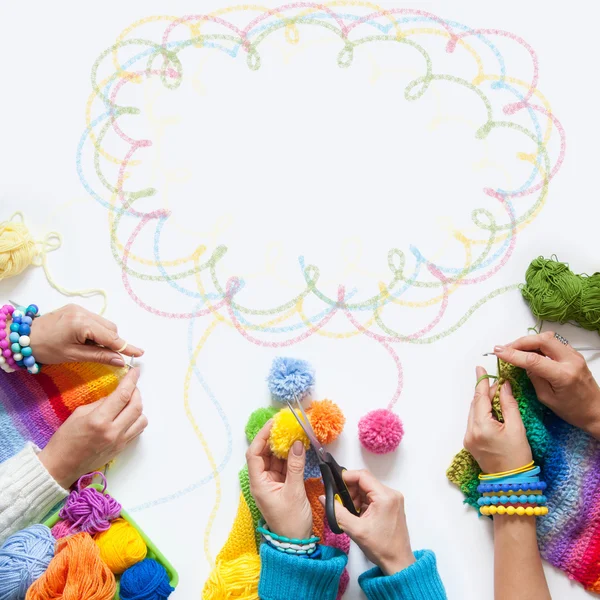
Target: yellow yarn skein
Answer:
pixel 234 579
pixel 18 250
pixel 285 431
pixel 121 546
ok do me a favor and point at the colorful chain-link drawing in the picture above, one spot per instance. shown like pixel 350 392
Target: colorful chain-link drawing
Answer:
pixel 214 301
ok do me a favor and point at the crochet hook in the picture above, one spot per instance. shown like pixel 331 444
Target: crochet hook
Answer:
pixel 579 349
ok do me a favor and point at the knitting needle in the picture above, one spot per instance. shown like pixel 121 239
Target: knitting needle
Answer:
pixel 580 349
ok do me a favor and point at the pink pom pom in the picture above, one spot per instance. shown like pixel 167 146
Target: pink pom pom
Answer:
pixel 380 431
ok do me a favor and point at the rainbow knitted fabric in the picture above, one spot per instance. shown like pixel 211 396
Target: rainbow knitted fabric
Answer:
pixel 32 407
pixel 569 536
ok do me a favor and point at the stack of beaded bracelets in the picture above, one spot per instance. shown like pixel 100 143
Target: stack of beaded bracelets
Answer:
pixel 307 548
pixel 517 492
pixel 16 350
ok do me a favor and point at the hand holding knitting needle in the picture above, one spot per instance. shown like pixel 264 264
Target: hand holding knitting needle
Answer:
pixel 560 376
pixel 95 433
pixel 74 334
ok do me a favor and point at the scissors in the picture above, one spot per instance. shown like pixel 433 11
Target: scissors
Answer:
pixel 129 364
pixel 333 479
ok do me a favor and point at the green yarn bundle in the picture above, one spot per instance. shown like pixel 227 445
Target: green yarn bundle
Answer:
pixel 555 293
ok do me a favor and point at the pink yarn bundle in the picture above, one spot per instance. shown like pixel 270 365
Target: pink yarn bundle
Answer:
pixel 88 509
pixel 62 529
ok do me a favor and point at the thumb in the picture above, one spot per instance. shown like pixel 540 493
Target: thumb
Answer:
pixel 508 404
pixel 295 465
pixel 345 519
pixel 97 354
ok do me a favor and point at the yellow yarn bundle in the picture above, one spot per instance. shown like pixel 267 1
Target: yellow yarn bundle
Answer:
pixel 19 250
pixel 237 578
pixel 121 546
pixel 285 431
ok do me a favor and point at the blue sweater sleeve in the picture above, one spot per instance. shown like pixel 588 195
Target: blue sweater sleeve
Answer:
pixel 285 577
pixel 420 581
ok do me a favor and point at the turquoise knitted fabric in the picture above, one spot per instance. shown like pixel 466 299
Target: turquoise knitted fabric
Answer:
pixel 284 577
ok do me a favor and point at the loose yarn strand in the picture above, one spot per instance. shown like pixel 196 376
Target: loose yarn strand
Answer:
pixel 18 250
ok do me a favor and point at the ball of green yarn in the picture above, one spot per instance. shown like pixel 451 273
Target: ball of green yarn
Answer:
pixel 555 293
pixel 257 420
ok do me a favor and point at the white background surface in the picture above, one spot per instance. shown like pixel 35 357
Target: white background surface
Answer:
pixel 298 158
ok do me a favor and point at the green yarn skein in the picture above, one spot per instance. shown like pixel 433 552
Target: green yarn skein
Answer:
pixel 555 293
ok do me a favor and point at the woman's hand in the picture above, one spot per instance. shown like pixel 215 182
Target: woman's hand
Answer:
pixel 94 434
pixel 74 334
pixel 381 531
pixel 278 487
pixel 496 446
pixel 560 376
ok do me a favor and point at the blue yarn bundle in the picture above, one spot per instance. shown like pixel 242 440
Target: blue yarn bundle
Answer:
pixel 24 557
pixel 290 378
pixel 146 580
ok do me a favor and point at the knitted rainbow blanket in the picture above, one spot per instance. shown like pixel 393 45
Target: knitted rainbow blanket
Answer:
pixel 32 407
pixel 569 536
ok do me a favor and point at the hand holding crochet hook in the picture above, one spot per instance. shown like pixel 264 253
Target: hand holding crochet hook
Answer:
pixel 564 383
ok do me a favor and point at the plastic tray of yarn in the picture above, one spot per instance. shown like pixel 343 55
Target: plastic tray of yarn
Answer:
pixel 153 551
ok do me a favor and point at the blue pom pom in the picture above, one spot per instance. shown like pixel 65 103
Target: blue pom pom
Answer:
pixel 290 378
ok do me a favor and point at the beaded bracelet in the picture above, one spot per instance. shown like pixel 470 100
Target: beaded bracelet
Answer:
pixel 280 538
pixel 293 546
pixel 7 362
pixel 507 487
pixel 530 511
pixel 514 499
pixel 19 339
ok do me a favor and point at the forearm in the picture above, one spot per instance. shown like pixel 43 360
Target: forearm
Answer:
pixel 518 572
pixel 27 492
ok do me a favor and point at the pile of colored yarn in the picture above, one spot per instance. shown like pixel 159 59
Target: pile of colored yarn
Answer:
pixel 94 549
pixel 555 293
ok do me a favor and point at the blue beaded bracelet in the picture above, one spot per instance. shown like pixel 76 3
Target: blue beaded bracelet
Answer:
pixel 285 540
pixel 513 499
pixel 506 487
pixel 20 329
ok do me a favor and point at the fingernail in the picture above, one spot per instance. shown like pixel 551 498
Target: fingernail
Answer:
pixel 117 362
pixel 322 498
pixel 297 448
pixel 499 349
pixel 506 386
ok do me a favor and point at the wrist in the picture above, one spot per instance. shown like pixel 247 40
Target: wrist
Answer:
pixel 397 563
pixel 56 469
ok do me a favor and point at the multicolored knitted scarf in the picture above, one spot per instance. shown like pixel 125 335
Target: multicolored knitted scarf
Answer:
pixel 32 407
pixel 569 536
pixel 237 569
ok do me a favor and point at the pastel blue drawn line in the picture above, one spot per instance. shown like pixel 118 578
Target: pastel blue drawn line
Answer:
pixel 200 378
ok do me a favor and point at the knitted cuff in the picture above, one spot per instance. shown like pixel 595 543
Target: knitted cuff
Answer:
pixel 283 576
pixel 420 580
pixel 27 482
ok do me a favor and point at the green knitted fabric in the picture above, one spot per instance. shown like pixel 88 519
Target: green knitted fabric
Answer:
pixel 257 420
pixel 464 470
pixel 256 516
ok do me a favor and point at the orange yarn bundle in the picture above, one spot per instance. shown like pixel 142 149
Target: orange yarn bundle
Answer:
pixel 75 573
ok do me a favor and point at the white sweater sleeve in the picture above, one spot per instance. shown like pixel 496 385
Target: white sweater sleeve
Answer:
pixel 27 491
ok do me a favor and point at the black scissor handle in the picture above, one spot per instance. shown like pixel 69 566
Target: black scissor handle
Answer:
pixel 335 489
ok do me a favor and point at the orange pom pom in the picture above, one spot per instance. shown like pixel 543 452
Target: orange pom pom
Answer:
pixel 326 419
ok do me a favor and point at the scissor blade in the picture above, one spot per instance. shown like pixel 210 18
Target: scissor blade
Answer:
pixel 308 430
